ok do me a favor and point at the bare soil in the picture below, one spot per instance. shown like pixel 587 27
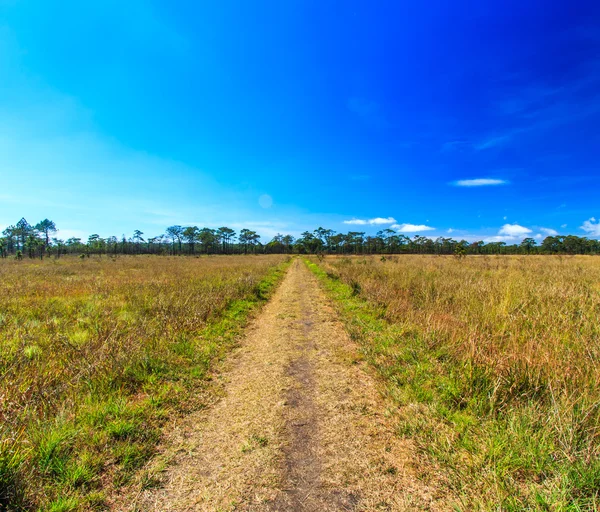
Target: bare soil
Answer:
pixel 300 425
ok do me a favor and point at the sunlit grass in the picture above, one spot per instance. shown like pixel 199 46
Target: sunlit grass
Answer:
pixel 96 353
pixel 494 364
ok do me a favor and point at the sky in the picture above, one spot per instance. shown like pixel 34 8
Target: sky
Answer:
pixel 464 119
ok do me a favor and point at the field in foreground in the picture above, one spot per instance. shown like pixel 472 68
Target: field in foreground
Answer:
pixel 96 354
pixel 493 362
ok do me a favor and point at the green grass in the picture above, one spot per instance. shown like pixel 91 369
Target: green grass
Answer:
pixel 517 440
pixel 161 344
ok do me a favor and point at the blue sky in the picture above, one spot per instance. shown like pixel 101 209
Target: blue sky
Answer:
pixel 476 120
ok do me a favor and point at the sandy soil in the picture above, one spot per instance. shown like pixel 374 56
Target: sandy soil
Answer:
pixel 300 425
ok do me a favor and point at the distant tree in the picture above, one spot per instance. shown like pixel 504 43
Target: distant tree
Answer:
pixel 112 245
pixel 275 245
pixel 460 249
pixel 190 234
pixel 23 239
pixel 243 239
pixel 73 241
pixel 34 245
pixel 385 240
pixel 95 244
pixel 46 227
pixel 208 239
pixel 288 242
pixel 552 244
pixel 324 237
pixel 252 239
pixel 22 231
pixel 226 236
pixel 59 246
pixel 355 240
pixel 175 233
pixel 574 244
pixel 337 241
pixel 151 241
pixel 10 238
pixel 476 247
pixel 137 240
pixel 309 243
pixel 528 244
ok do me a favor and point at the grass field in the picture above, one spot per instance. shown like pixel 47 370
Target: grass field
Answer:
pixel 97 353
pixel 494 364
pixel 491 362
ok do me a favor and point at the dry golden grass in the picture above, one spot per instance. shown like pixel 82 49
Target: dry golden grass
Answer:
pixel 96 353
pixel 494 362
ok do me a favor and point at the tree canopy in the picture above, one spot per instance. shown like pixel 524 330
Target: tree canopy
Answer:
pixel 24 239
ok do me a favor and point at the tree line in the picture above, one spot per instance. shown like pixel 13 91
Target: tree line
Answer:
pixel 38 241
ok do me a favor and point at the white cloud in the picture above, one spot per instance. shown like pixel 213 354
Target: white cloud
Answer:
pixel 591 226
pixel 480 182
pixel 563 226
pixel 513 230
pixel 381 220
pixel 450 230
pixel 500 238
pixel 411 228
pixel 549 231
pixel 377 221
pixel 538 236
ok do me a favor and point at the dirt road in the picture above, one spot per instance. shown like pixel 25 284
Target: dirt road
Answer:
pixel 301 425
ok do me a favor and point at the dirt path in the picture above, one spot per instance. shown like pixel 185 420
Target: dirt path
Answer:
pixel 300 427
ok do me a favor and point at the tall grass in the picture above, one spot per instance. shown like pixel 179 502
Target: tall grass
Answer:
pixel 494 363
pixel 95 354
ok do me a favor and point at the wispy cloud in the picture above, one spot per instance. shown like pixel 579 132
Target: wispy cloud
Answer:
pixel 372 222
pixel 494 141
pixel 537 108
pixel 591 227
pixel 480 182
pixel 456 145
pixel 412 228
